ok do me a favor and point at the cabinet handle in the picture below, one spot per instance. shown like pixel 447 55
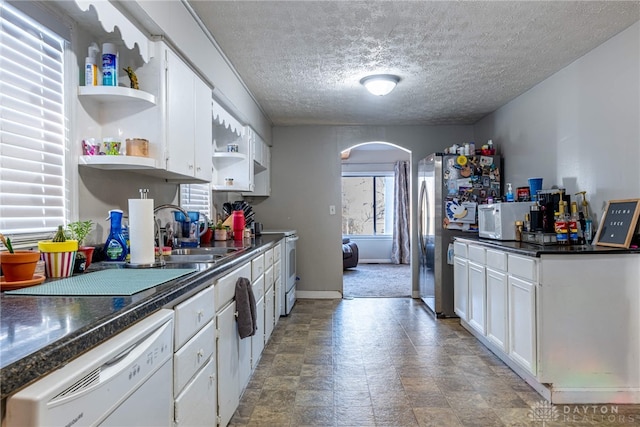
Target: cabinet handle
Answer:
pixel 235 314
pixel 200 354
pixel 200 314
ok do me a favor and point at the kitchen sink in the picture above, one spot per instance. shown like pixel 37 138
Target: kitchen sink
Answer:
pixel 187 258
pixel 202 254
pixel 209 250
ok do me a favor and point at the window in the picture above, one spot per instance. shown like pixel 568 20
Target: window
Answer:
pixel 195 197
pixel 367 205
pixel 33 193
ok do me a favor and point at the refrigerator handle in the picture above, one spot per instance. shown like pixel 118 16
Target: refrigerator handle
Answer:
pixel 421 214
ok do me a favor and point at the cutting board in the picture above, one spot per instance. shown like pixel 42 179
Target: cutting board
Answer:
pixel 105 283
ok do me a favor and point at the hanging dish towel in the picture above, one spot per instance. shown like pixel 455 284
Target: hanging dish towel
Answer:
pixel 246 307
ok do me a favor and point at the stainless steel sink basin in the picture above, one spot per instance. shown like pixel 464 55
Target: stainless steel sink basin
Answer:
pixel 186 258
pixel 203 254
pixel 205 250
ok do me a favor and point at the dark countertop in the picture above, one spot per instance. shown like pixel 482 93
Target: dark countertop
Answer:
pixel 41 334
pixel 528 249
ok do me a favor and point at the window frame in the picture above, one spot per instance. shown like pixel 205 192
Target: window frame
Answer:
pixel 374 174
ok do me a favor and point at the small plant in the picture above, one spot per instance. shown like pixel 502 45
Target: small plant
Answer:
pixel 59 236
pixel 7 243
pixel 78 230
pixel 219 226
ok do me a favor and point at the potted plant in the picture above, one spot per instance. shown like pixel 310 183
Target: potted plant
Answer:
pixel 220 232
pixel 59 254
pixel 79 230
pixel 17 266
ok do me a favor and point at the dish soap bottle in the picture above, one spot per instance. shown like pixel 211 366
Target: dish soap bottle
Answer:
pixel 115 247
pixel 509 195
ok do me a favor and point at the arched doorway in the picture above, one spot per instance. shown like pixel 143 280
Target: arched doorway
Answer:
pixel 376 189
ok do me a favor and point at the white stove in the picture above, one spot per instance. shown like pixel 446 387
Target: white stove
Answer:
pixel 288 294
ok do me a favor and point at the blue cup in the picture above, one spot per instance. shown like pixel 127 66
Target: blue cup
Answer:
pixel 535 185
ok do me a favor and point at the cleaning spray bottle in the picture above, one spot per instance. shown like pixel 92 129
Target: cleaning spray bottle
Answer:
pixel 585 220
pixel 115 248
pixel 91 66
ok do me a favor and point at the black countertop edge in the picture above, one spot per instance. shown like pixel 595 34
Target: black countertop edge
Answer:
pixel 537 251
pixel 58 353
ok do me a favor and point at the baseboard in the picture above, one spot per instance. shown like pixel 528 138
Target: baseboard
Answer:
pixel 375 261
pixel 318 294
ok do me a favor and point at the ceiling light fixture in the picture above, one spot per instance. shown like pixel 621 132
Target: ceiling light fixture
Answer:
pixel 380 84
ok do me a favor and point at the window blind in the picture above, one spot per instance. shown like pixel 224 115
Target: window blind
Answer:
pixel 32 125
pixel 196 197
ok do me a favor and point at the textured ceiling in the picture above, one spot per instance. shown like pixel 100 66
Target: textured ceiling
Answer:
pixel 457 61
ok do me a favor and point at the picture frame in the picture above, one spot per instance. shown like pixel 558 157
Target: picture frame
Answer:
pixel 618 223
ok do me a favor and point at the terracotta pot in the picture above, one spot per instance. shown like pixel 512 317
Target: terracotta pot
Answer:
pixel 19 266
pixel 206 237
pixel 88 252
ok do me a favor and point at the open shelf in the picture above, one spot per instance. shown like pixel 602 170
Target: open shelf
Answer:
pixel 116 94
pixel 118 162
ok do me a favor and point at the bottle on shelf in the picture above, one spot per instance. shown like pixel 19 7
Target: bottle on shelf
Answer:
pixel 585 220
pixel 109 65
pixel 561 225
pixel 509 195
pixel 91 66
pixel 575 234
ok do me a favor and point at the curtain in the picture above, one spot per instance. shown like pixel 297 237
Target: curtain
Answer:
pixel 401 250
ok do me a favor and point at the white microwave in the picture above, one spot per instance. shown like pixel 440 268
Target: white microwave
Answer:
pixel 497 220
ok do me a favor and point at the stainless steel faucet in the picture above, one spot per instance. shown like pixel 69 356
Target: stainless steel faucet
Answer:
pixel 157 221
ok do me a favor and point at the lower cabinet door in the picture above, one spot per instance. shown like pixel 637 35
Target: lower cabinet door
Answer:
pixel 497 308
pixel 228 364
pixel 197 404
pixel 522 323
pixel 269 313
pixel 477 297
pixel 257 341
pixel 461 287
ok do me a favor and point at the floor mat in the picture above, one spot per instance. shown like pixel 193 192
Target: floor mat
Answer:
pixel 377 280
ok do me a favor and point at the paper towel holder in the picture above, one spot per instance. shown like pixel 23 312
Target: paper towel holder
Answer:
pixel 158 262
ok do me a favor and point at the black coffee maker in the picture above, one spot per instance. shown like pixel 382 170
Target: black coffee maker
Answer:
pixel 548 205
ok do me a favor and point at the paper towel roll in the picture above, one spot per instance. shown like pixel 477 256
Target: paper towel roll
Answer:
pixel 141 238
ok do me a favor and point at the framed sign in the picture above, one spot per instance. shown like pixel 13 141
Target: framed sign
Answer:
pixel 618 223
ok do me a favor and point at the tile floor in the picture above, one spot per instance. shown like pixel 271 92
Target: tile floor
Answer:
pixel 388 362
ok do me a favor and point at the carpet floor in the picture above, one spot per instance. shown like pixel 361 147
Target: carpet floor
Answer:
pixel 377 280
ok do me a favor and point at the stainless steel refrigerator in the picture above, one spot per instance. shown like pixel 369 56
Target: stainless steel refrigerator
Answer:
pixel 451 187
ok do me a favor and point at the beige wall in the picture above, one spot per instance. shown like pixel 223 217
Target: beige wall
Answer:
pixel 306 181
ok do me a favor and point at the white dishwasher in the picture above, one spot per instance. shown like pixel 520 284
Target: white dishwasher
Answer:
pixel 126 381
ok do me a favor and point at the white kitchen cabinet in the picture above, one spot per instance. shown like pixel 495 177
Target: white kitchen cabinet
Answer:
pixel 196 405
pixel 477 297
pixel 261 166
pixel 188 121
pixel 269 312
pixel 232 170
pixel 228 361
pixel 194 357
pixel 461 287
pixel 497 307
pixel 522 326
pixel 257 340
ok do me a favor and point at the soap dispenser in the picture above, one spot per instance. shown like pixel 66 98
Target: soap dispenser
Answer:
pixel 115 248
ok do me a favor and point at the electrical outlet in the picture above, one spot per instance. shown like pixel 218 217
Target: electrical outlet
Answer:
pixel 332 209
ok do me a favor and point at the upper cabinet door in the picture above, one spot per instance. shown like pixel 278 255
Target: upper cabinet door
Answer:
pixel 180 112
pixel 203 131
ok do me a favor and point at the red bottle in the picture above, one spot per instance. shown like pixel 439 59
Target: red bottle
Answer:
pixel 237 220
